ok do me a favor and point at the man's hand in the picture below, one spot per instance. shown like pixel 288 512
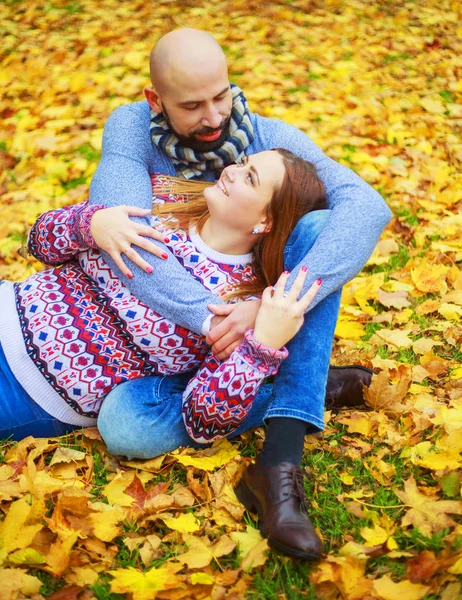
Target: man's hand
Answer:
pixel 229 333
pixel 114 232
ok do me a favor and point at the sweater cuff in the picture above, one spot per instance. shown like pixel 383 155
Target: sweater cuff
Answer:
pixel 262 358
pixel 84 225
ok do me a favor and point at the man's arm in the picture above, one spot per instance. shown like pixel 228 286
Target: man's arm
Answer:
pixel 122 177
pixel 357 218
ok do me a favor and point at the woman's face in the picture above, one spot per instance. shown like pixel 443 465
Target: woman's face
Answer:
pixel 241 196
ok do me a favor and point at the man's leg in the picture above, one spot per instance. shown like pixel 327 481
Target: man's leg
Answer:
pixel 274 485
pixel 142 418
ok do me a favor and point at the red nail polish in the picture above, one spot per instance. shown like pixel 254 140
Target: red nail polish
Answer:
pixel 166 240
pixel 319 281
pixel 149 270
pixel 165 256
pixel 129 275
pixel 286 273
pixel 304 269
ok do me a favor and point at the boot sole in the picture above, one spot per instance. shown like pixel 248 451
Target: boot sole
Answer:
pixel 247 498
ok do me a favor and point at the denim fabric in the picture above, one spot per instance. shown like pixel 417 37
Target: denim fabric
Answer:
pixel 142 418
pixel 20 416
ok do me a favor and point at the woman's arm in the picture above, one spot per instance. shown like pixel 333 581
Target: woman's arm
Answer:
pixel 59 235
pixel 220 395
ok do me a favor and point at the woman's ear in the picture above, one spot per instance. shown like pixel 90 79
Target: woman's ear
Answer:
pixel 265 224
pixel 153 99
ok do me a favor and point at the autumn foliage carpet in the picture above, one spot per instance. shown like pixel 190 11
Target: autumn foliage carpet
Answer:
pixel 375 84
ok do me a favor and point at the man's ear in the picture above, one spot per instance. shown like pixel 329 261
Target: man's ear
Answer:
pixel 153 99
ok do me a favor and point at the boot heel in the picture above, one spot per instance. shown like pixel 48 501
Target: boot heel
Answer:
pixel 245 497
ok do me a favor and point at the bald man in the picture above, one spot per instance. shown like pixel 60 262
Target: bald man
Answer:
pixel 193 124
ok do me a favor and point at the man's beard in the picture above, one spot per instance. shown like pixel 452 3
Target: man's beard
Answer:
pixel 200 145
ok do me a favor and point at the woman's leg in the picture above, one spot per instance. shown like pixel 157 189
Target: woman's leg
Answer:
pixel 20 416
pixel 273 486
pixel 143 419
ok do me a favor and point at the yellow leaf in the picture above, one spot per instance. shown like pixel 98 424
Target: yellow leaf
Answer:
pixel 66 455
pixel 202 578
pixel 380 395
pixel 351 330
pixel 14 581
pixel 387 589
pixel 58 556
pixel 346 478
pixel 450 311
pixel 144 586
pixel 105 522
pixel 430 278
pixel 456 373
pixel 13 530
pixel 427 513
pixel 396 337
pixel 136 60
pixel 186 523
pixel 456 568
pixel 246 540
pixel 81 576
pixel 256 556
pixel 433 105
pixel 115 489
pixel 27 556
pixel 200 553
pixel 210 459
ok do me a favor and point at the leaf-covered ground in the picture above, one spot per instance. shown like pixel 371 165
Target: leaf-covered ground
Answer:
pixel 375 84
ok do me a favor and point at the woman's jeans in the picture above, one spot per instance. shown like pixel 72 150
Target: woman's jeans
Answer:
pixel 142 418
pixel 20 416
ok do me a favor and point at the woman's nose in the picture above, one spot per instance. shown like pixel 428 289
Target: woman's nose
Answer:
pixel 230 172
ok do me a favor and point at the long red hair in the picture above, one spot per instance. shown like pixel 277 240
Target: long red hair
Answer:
pixel 301 191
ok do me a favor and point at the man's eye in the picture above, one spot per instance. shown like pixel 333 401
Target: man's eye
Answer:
pixel 191 107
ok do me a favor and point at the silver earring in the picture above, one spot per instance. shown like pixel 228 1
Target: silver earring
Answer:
pixel 256 230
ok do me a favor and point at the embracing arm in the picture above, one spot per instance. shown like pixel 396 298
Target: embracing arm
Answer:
pixel 122 177
pixel 358 215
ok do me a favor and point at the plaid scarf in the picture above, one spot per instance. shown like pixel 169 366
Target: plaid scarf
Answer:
pixel 190 163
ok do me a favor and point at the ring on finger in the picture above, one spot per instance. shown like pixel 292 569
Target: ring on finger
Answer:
pixel 129 247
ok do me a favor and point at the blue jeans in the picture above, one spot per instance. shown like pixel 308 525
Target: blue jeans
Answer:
pixel 142 418
pixel 20 416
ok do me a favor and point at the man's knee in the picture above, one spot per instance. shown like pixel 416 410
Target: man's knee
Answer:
pixel 305 232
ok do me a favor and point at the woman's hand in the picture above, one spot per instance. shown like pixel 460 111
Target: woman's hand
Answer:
pixel 114 232
pixel 281 313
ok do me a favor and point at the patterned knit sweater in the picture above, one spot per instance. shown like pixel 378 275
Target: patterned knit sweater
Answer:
pixel 73 332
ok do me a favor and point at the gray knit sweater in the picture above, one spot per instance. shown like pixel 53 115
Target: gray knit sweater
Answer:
pixel 358 213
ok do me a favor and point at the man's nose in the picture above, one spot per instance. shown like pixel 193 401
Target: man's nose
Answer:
pixel 212 117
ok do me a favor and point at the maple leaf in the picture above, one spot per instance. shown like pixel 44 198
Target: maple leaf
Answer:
pixel 210 459
pixel 427 513
pixel 145 586
pixel 380 395
pixel 186 523
pixel 387 589
pixel 252 548
pixel 15 581
pixel 200 553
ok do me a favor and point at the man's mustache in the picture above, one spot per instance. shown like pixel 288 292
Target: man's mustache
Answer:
pixel 210 130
